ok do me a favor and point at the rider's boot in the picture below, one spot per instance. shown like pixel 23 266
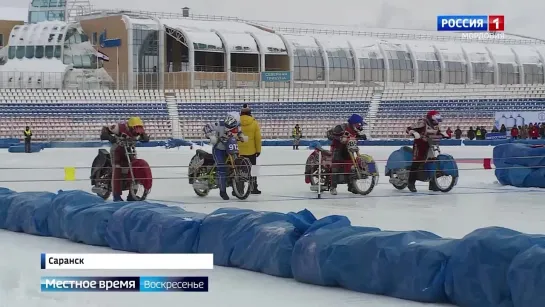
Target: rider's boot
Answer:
pixel 130 198
pixel 224 196
pixel 415 166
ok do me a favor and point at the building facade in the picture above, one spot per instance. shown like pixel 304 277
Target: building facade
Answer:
pixel 162 52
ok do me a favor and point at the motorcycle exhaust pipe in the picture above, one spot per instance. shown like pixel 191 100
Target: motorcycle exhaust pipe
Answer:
pixel 98 190
pixel 200 186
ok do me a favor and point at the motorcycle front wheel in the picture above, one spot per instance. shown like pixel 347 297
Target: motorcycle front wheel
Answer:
pixel 242 178
pixel 138 192
pixel 368 184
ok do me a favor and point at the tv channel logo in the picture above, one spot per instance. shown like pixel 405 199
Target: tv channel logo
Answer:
pixel 471 23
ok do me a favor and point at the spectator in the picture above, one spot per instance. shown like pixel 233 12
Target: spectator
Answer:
pixel 514 133
pixel 478 133
pixel 483 133
pixel 533 131
pixel 27 133
pixel 495 129
pixel 296 134
pixel 471 133
pixel 252 148
pixel 542 130
pixel 523 132
pixel 503 129
pixel 458 133
pixel 449 132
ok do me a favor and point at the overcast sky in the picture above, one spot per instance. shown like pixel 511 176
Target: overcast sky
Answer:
pixel 522 16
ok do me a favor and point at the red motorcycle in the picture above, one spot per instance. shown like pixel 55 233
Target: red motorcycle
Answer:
pixel 137 177
pixel 358 168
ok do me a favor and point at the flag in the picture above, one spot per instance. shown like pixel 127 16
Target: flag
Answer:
pixel 103 56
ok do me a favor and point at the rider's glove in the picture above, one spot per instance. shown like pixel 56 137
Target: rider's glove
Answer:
pixel 213 140
pixel 415 134
pixel 243 138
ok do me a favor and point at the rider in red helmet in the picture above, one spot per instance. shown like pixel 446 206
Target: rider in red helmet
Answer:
pixel 425 132
pixel 133 129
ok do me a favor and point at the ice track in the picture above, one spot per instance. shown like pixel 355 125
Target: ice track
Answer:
pixel 476 202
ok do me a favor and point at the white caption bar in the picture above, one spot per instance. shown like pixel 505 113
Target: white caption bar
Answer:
pixel 127 261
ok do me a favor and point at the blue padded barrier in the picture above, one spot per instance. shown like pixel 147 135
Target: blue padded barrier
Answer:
pixel 21 148
pixel 408 265
pixel 89 225
pixel 28 213
pixel 520 165
pixel 489 267
pixel 526 278
pixel 64 206
pixel 252 240
pixel 134 228
pixel 6 197
pixel 477 269
pixel 7 142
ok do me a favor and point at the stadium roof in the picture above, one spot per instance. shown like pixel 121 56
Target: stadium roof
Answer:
pixel 324 29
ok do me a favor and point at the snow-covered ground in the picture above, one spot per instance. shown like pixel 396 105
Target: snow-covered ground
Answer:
pixel 477 201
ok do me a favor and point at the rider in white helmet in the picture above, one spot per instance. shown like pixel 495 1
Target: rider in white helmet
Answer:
pixel 219 133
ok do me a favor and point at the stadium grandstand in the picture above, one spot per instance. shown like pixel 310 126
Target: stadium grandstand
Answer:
pixel 67 74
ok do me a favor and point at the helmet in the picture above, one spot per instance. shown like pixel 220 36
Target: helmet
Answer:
pixel 136 125
pixel 434 117
pixel 231 123
pixel 356 122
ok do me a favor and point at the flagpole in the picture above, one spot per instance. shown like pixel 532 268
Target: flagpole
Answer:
pixel 117 65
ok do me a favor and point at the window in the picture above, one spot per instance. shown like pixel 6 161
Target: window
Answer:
pixel 39 52
pixel 29 52
pixel 20 52
pixel 11 52
pixel 509 73
pixel 86 61
pixel 429 71
pixel 1 40
pixel 67 59
pixel 372 70
pixel 49 52
pixel 58 52
pixel 401 66
pixel 483 73
pixel 94 40
pixel 309 65
pixel 533 74
pixel 456 73
pixel 339 69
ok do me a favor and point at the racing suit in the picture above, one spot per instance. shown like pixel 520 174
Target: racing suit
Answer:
pixel 429 134
pixel 339 136
pixel 218 135
pixel 119 162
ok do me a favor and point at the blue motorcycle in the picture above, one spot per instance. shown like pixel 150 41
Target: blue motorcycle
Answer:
pixel 441 169
pixel 203 177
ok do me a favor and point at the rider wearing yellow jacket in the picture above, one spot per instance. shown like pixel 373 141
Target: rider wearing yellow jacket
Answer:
pixel 252 148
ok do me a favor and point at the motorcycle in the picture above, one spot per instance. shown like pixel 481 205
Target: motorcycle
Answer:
pixel 438 166
pixel 136 175
pixel 359 167
pixel 203 172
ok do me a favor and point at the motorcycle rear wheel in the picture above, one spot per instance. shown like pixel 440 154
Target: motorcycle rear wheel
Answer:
pixel 315 179
pixel 201 175
pixel 104 182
